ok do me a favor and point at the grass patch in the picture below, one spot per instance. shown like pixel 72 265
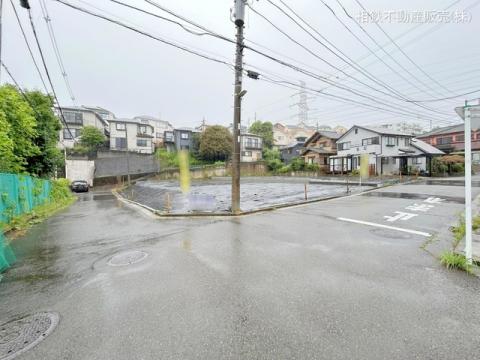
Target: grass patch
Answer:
pixel 452 261
pixel 459 230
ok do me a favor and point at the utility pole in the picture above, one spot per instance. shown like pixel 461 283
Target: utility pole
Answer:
pixel 127 154
pixel 239 14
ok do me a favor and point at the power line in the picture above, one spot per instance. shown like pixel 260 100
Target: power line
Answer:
pixel 397 111
pixel 403 98
pixel 368 54
pixel 400 49
pixel 183 48
pixel 56 49
pixel 306 72
pixel 28 47
pixel 47 72
pixel 20 89
pixel 446 98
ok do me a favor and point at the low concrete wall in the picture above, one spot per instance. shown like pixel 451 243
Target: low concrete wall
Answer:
pixel 80 170
pixel 113 164
pixel 204 172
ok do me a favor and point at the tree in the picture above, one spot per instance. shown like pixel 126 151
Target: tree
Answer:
pixel 91 137
pixel 265 130
pixel 215 143
pixel 18 131
pixel 48 126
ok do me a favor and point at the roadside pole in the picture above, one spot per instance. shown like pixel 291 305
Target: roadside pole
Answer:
pixel 239 12
pixel 468 185
pixel 127 153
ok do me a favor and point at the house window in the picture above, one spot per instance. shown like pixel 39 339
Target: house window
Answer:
pixel 417 160
pixel 120 126
pixel 325 160
pixel 356 131
pixel 460 138
pixel 247 153
pixel 390 141
pixel 142 142
pixel 120 143
pixel 72 117
pixel 371 141
pixel 67 136
pixel 343 146
pixel 444 140
pixel 142 129
pixel 184 136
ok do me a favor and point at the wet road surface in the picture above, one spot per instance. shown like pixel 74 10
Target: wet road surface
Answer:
pixel 297 283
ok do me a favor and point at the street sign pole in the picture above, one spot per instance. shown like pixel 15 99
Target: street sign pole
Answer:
pixel 468 185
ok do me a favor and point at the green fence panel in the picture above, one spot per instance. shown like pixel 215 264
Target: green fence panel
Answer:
pixel 7 258
pixel 20 194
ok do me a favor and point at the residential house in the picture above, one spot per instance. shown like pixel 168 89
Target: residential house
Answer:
pixel 451 139
pixel 403 127
pixel 319 147
pixel 251 147
pixel 76 118
pixel 179 139
pixel 388 151
pixel 133 135
pixel 159 128
pixel 292 151
pixel 284 135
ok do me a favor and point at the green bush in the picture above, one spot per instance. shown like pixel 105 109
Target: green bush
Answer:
pixel 284 169
pixel 452 260
pixel 60 190
pixel 457 168
pixel 312 167
pixel 297 164
pixel 274 164
pixel 438 167
pixel 355 172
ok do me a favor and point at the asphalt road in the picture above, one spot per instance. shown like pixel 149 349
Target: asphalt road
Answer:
pixel 297 283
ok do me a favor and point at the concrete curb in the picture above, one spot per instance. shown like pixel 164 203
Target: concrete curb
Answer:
pixel 162 214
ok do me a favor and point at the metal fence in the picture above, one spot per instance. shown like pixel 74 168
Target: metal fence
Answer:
pixel 19 194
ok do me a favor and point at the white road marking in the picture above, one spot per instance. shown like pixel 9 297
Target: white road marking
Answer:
pixel 419 207
pixel 433 200
pixel 421 233
pixel 400 216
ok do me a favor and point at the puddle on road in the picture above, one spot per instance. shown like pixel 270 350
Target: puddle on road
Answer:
pixel 397 195
pixel 446 183
pixel 103 197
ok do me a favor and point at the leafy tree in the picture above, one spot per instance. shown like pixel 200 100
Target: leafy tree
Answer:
pixel 48 126
pixel 265 130
pixel 91 137
pixel 215 143
pixel 272 157
pixel 20 133
pixel 195 150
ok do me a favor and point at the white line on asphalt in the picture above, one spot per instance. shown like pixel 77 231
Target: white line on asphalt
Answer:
pixel 385 226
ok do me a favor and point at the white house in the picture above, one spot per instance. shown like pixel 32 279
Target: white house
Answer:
pixel 132 134
pixel 76 118
pixel 389 151
pixel 159 128
pixel 251 147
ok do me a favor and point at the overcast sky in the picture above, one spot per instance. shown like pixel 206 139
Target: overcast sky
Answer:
pixel 131 74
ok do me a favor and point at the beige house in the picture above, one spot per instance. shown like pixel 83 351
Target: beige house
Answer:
pixel 133 135
pixel 77 117
pixel 251 147
pixel 284 135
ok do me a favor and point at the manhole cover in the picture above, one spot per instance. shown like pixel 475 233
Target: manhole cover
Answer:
pixel 20 335
pixel 127 258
